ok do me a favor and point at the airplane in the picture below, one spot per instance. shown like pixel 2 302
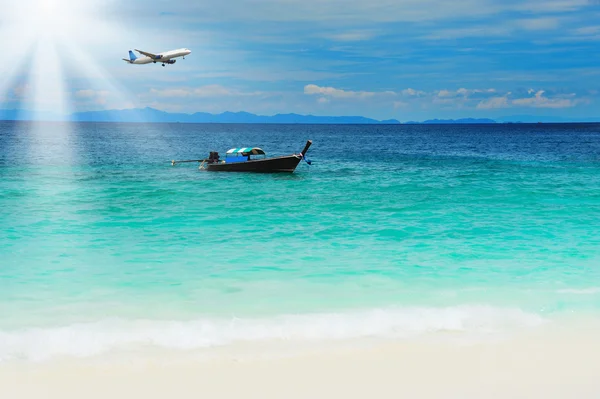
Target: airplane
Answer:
pixel 164 58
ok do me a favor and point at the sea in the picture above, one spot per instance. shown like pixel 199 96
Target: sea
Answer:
pixel 393 232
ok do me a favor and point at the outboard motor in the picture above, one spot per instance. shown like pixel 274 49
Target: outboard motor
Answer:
pixel 213 157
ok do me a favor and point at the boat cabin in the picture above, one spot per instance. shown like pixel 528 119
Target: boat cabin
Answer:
pixel 243 154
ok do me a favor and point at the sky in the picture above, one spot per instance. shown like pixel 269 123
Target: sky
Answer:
pixel 384 59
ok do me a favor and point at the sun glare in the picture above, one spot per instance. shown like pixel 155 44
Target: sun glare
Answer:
pixel 47 36
pixel 54 47
pixel 54 17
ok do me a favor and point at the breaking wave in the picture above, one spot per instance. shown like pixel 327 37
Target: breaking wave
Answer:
pixel 90 339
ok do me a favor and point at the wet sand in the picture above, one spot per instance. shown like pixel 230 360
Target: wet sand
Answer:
pixel 540 364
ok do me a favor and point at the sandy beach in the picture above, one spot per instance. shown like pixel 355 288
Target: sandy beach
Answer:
pixel 542 363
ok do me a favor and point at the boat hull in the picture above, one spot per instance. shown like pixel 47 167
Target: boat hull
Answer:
pixel 269 165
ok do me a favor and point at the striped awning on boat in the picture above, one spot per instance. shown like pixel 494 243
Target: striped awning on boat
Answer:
pixel 246 151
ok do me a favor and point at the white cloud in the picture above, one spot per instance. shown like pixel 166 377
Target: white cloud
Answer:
pixel 22 90
pixel 534 24
pixel 89 96
pixel 352 36
pixel 332 92
pixel 491 99
pixel 89 93
pixel 587 30
pixel 273 73
pixel 549 6
pixel 477 31
pixel 203 91
pixel 412 92
pixel 171 92
pixel 340 12
pixel 508 29
pixel 494 102
pixel 468 92
pixel 584 34
pixel 462 92
pixel 539 101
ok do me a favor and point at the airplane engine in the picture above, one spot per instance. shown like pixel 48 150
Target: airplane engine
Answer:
pixel 171 61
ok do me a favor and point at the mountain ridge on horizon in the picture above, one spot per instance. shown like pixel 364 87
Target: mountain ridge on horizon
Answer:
pixel 152 115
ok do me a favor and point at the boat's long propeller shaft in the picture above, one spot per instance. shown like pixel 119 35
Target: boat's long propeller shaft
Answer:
pixel 173 162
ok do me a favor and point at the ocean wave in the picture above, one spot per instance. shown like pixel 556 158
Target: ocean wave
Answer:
pixel 90 339
pixel 580 291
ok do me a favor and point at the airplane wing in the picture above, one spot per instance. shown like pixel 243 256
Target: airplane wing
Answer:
pixel 153 56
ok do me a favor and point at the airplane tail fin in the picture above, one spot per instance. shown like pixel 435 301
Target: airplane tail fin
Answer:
pixel 132 56
pixel 126 60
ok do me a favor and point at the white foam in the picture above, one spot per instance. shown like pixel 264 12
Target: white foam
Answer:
pixel 580 291
pixel 89 339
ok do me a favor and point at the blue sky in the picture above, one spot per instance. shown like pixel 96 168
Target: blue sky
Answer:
pixel 402 59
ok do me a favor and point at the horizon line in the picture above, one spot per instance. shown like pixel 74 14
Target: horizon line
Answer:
pixel 88 116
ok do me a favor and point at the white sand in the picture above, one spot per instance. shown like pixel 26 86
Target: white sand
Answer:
pixel 542 364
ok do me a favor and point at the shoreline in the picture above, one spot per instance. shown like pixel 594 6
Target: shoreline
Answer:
pixel 545 362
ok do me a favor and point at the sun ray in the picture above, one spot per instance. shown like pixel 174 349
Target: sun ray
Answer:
pixel 56 51
pixel 68 55
pixel 89 75
pixel 20 47
pixel 48 101
pixel 59 25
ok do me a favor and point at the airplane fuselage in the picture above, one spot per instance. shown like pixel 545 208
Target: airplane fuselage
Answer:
pixel 142 60
pixel 168 57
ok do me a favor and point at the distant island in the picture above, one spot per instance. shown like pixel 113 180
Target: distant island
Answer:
pixel 151 115
pixel 154 115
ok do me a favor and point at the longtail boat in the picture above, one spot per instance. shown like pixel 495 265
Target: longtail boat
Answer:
pixel 250 159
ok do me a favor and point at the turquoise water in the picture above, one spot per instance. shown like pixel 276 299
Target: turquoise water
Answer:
pixel 393 230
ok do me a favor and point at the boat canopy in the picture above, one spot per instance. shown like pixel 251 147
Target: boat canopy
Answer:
pixel 246 151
